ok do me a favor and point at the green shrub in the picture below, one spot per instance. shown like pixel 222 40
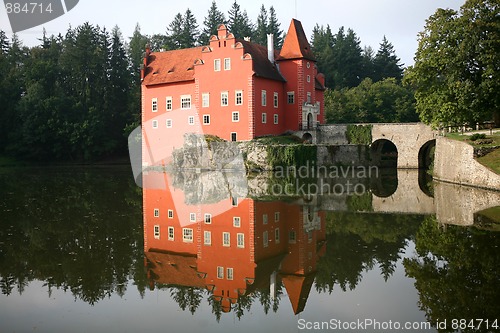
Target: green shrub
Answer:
pixel 359 134
pixel 477 136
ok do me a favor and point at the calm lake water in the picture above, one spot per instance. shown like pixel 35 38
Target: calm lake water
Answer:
pixel 87 250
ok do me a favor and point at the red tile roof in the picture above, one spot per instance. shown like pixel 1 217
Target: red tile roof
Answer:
pixel 296 45
pixel 171 66
pixel 298 288
pixel 262 67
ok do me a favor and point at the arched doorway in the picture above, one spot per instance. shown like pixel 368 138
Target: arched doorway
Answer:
pixel 384 153
pixel 309 121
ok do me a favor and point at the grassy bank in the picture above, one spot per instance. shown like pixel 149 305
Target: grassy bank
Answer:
pixel 490 160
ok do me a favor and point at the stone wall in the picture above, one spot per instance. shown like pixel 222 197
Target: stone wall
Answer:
pixel 345 155
pixel 332 134
pixel 454 162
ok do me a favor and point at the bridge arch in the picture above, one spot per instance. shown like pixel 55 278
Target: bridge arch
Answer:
pixel 384 153
pixel 426 154
pixel 307 137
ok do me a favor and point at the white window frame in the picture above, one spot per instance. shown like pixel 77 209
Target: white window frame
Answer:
pixel 263 98
pixel 192 217
pixel 230 273
pixel 205 100
pixel 157 231
pixel 207 218
pixel 170 214
pixel 220 272
pixel 154 123
pixel 290 97
pixel 217 65
pixel 265 219
pixel 168 123
pixel 276 99
pixel 292 237
pixel 206 116
pixel 238 97
pixel 187 235
pixel 154 104
pixel 191 120
pixel 224 98
pixel 276 216
pixel 265 239
pixel 240 240
pixel 226 239
pixel 277 235
pixel 235 136
pixel 227 64
pixel 207 237
pixel 235 116
pixel 185 102
pixel 308 78
pixel 264 118
pixel 171 233
pixel 275 119
pixel 156 212
pixel 169 103
pixel 236 221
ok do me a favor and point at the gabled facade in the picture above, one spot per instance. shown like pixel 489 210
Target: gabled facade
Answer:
pixel 233 88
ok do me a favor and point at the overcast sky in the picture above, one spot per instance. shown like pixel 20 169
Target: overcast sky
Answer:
pixel 398 20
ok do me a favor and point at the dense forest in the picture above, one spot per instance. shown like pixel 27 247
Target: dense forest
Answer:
pixel 76 97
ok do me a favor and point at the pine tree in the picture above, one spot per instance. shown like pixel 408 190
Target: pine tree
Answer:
pixel 262 29
pixel 274 28
pixel 239 23
pixel 190 32
pixel 175 32
pixel 386 63
pixel 211 22
pixel 136 48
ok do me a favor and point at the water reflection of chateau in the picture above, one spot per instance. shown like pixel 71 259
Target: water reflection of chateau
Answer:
pixel 232 247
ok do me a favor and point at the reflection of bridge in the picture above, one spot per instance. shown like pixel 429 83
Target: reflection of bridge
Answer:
pixel 452 204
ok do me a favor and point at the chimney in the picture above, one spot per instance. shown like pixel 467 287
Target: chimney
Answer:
pixel 270 47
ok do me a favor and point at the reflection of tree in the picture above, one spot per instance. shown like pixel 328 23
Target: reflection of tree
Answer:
pixel 77 230
pixel 456 273
pixel 356 242
pixel 187 297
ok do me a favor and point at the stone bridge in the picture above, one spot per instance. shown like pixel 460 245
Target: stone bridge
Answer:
pixel 405 145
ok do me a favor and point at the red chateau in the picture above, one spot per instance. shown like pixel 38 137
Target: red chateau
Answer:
pixel 235 89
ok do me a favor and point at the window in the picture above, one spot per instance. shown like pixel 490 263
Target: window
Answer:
pixel 227 64
pixel 230 273
pixel 207 238
pixel 168 103
pixel 275 99
pixel 169 123
pixel 276 216
pixel 265 239
pixel 224 98
pixel 236 221
pixel 191 120
pixel 290 97
pixel 276 119
pixel 226 239
pixel 186 102
pixel 264 98
pixel 240 240
pixel 308 64
pixel 264 118
pixel 187 235
pixel 265 219
pixel 157 232
pixel 155 123
pixel 156 212
pixel 208 218
pixel 234 201
pixel 192 217
pixel 308 97
pixel 154 104
pixel 205 100
pixel 217 65
pixel 292 237
pixel 277 235
pixel 171 233
pixel 170 214
pixel 234 136
pixel 220 272
pixel 309 78
pixel 206 119
pixel 238 97
pixel 236 116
